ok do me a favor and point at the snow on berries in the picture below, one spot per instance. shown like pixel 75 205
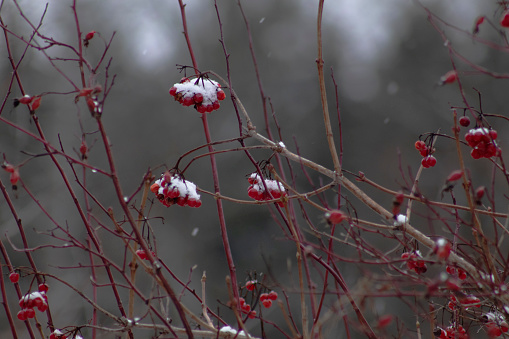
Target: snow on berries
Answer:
pixel 257 190
pixel 451 332
pixel 495 324
pixel 29 302
pixel 174 189
pixel 57 334
pixel 482 141
pixel 14 277
pixel 203 93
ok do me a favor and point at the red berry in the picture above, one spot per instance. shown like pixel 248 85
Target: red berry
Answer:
pixel 273 295
pixel 221 95
pixel 252 315
pixel 141 254
pixel 455 175
pixel 188 101
pixel 504 21
pixel 90 35
pixel 493 134
pixel 36 103
pixel 22 315
pixel 449 77
pixel 14 177
pixel 250 285
pixel 43 287
pixel 198 98
pixel 264 296
pixel 30 313
pixel 201 109
pixel 173 91
pixel 26 99
pixel 267 303
pixel 479 193
pixel 420 145
pixel 335 216
pixel 384 321
pixel 442 248
pixel 14 277
pixel 464 121
pixel 215 105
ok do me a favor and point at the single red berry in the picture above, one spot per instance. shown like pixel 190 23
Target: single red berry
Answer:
pixel 273 295
pixel 504 21
pixel 22 315
pixel 267 303
pixel 30 313
pixel 464 121
pixel 43 287
pixel 449 77
pixel 479 193
pixel 493 134
pixel 384 321
pixel 14 177
pixel 201 108
pixel 442 248
pixel 26 99
pixel 36 103
pixel 455 175
pixel 173 91
pixel 198 98
pixel 83 149
pixel 188 101
pixel 221 95
pixel 335 216
pixel 14 277
pixel 90 35
pixel 215 105
pixel 252 315
pixel 420 145
pixel 478 23
pixel 141 254
pixel 250 285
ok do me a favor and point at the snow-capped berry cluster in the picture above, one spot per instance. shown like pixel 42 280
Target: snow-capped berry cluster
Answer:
pixel 267 298
pixel 414 261
pixel 495 324
pixel 257 190
pixel 482 141
pixel 203 93
pixel 428 160
pixel 57 334
pixel 462 275
pixel 246 308
pixel 451 332
pixel 29 302
pixel 172 190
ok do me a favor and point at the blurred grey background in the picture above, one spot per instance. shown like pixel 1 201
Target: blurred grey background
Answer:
pixel 386 59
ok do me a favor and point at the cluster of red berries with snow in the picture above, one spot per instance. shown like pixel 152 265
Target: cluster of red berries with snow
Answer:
pixel 451 332
pixel 482 141
pixel 414 261
pixel 428 160
pixel 257 189
pixel 172 190
pixel 33 300
pixel 495 324
pixel 203 93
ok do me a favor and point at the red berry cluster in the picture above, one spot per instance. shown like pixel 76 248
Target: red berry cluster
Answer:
pixel 465 302
pixel 414 261
pixel 482 141
pixel 451 332
pixel 459 271
pixel 172 190
pixel 57 334
pixel 495 324
pixel 257 190
pixel 143 255
pixel 30 301
pixel 267 298
pixel 428 160
pixel 246 308
pixel 203 93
